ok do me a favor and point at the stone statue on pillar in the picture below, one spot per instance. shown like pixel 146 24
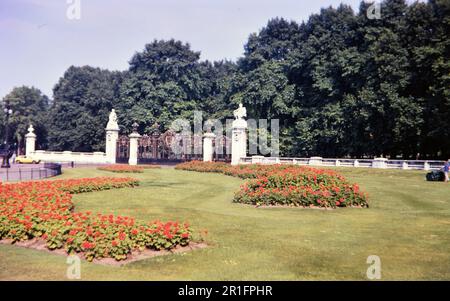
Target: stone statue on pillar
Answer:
pixel 112 135
pixel 239 132
pixel 30 141
pixel 240 112
pixel 112 122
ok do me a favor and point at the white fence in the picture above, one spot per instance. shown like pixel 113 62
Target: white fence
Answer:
pixel 68 156
pixel 372 163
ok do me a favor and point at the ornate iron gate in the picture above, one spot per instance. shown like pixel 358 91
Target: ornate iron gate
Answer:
pixel 167 147
pixel 123 149
pixel 170 147
pixel 222 148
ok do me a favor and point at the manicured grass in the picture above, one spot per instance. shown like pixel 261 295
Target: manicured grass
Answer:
pixel 407 226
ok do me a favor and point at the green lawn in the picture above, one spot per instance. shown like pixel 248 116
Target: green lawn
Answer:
pixel 407 226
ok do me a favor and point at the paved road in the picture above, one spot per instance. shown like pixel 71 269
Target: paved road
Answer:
pixel 25 172
pixel 21 172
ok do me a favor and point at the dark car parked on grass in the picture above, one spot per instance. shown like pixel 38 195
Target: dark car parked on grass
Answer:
pixel 435 175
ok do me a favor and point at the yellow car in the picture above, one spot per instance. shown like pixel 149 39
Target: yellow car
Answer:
pixel 26 160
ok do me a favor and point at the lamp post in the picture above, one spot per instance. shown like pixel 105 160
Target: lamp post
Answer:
pixel 5 152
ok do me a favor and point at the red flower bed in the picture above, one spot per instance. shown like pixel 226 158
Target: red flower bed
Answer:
pixel 204 166
pixel 287 185
pixel 44 210
pixel 122 168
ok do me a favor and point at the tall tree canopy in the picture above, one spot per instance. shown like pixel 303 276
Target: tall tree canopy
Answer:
pixel 29 106
pixel 164 82
pixel 341 84
pixel 83 98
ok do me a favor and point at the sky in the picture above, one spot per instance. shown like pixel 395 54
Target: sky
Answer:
pixel 40 39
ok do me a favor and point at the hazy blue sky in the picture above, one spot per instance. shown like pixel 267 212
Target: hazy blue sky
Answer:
pixel 38 42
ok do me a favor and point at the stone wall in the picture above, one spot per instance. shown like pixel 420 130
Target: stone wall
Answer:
pixel 112 130
pixel 68 156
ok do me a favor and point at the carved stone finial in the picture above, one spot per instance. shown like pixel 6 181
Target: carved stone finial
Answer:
pixel 154 129
pixel 31 129
pixel 135 126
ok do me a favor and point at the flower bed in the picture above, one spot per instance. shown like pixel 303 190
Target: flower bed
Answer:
pixel 203 166
pixel 287 185
pixel 44 210
pixel 123 168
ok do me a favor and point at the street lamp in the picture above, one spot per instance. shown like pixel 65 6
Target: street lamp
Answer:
pixel 5 151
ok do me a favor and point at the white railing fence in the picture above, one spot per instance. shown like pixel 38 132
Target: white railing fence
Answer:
pixel 371 163
pixel 68 156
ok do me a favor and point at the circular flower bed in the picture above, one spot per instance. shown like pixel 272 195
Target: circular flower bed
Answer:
pixel 287 185
pixel 44 210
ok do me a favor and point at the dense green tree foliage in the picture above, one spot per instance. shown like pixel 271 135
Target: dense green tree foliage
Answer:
pixel 164 82
pixel 341 84
pixel 83 98
pixel 29 106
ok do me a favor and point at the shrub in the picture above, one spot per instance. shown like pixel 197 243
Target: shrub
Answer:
pixel 287 185
pixel 44 210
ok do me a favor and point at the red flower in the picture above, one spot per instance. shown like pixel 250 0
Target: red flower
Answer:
pixel 122 236
pixel 285 184
pixel 87 245
pixel 47 205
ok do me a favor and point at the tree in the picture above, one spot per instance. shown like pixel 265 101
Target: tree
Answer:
pixel 164 82
pixel 261 82
pixel 29 106
pixel 83 98
pixel 429 49
pixel 219 78
pixel 383 85
pixel 324 69
pixel 341 84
